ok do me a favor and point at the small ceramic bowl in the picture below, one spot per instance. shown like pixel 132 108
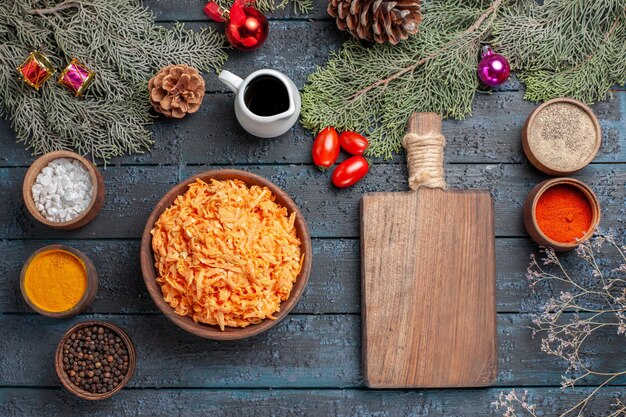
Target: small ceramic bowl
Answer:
pixel 79 392
pixel 530 220
pixel 84 218
pixel 543 165
pixel 90 292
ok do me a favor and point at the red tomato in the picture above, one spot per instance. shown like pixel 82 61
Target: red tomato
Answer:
pixel 353 143
pixel 326 148
pixel 350 171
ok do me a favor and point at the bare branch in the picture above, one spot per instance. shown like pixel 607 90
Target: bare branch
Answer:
pixel 67 4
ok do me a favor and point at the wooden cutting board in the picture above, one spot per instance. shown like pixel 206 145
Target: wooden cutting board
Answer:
pixel 428 284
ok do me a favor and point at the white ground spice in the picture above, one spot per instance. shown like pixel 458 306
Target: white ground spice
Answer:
pixel 63 190
pixel 562 137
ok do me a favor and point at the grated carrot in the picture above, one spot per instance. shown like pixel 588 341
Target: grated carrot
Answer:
pixel 226 254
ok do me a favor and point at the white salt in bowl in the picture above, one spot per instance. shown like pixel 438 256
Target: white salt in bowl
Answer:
pixel 92 209
pixel 556 145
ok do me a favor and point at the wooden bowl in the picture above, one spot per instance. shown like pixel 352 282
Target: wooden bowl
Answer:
pixel 530 220
pixel 90 292
pixel 529 125
pixel 96 179
pixel 206 330
pixel 79 392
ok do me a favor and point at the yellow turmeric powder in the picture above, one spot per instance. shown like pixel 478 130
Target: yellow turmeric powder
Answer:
pixel 55 280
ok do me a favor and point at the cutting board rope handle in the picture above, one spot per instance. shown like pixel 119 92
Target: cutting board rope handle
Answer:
pixel 424 144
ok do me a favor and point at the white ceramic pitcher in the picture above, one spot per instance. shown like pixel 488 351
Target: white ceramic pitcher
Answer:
pixel 267 102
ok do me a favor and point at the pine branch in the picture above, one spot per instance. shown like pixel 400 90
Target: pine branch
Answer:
pixel 571 48
pixel 374 89
pixel 300 6
pixel 116 38
pixel 410 68
pixel 566 48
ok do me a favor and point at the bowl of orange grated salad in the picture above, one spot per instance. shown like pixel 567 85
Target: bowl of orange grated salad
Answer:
pixel 226 254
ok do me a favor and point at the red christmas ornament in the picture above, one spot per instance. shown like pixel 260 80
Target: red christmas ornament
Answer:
pixel 246 27
pixel 36 70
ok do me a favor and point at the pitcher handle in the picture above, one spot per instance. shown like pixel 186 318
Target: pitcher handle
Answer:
pixel 231 80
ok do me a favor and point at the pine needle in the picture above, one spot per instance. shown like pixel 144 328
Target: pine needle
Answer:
pixel 565 48
pixel 120 42
pixel 374 89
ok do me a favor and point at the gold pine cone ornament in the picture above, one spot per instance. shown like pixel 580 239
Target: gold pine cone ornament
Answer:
pixel 377 21
pixel 176 90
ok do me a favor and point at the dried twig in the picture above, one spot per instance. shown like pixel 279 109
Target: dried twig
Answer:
pixel 598 303
pixel 67 4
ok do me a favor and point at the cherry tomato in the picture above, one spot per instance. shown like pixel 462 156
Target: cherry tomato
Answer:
pixel 350 171
pixel 325 148
pixel 353 143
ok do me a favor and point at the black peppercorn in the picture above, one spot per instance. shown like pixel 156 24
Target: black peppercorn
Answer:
pixel 95 359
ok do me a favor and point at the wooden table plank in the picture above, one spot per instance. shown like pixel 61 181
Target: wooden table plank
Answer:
pixel 16 402
pixel 333 287
pixel 293 47
pixel 309 351
pixel 133 191
pixel 214 136
pixel 185 10
pixel 480 138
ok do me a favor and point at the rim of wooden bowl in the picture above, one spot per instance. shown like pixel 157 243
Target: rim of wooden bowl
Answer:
pixel 94 206
pixel 530 219
pixel 79 392
pixel 535 161
pixel 212 331
pixel 86 299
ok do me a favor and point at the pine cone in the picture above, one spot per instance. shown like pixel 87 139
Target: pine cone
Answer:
pixel 377 20
pixel 176 90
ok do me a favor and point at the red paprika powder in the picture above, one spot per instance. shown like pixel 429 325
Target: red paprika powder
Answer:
pixel 563 213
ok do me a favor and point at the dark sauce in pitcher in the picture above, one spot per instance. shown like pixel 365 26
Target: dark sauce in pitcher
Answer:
pixel 266 96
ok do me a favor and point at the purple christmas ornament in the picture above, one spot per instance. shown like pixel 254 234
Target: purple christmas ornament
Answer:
pixel 493 69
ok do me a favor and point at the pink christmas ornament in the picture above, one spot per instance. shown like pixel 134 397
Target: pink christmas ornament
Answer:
pixel 493 69
pixel 76 77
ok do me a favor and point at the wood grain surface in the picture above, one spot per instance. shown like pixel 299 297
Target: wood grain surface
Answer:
pixel 213 136
pixel 292 402
pixel 309 364
pixel 428 285
pixel 302 351
pixel 132 192
pixel 428 282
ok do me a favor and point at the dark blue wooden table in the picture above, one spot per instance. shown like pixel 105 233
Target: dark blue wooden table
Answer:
pixel 310 363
